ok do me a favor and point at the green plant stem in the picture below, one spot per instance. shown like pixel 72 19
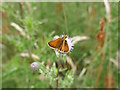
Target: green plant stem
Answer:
pixel 57 78
pixel 57 64
pixel 65 18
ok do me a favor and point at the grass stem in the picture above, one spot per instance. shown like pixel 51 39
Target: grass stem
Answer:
pixel 57 64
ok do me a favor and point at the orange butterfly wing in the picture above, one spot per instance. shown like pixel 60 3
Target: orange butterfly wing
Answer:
pixel 55 43
pixel 64 47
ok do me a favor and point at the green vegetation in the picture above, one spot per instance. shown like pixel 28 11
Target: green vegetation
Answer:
pixel 39 23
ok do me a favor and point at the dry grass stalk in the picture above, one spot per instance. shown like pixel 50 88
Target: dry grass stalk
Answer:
pixel 100 37
pixel 79 38
pixel 18 28
pixel 21 9
pixel 82 72
pixel 59 7
pixel 36 44
pixel 115 62
pixel 69 60
pixel 100 69
pixel 33 56
pixel 27 6
pixel 109 81
pixel 107 8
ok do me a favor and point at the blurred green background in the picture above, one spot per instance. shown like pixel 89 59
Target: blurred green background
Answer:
pixel 42 21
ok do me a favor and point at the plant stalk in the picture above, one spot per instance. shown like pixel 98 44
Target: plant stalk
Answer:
pixel 57 64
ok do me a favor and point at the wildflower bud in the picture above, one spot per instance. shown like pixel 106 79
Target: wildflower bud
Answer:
pixel 34 66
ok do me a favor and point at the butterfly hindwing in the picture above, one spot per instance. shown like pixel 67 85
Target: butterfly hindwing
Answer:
pixel 64 47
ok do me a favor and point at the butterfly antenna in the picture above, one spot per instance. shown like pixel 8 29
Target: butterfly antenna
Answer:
pixel 63 33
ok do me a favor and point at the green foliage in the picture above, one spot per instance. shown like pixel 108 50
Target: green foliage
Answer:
pixel 51 75
pixel 41 21
pixel 68 79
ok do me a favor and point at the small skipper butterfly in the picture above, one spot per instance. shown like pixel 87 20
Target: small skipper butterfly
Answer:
pixel 60 44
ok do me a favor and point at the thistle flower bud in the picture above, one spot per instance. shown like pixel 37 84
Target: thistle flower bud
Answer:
pixel 34 66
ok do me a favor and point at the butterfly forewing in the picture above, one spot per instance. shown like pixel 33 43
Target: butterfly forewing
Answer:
pixel 55 43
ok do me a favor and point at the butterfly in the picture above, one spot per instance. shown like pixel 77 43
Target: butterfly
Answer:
pixel 62 44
